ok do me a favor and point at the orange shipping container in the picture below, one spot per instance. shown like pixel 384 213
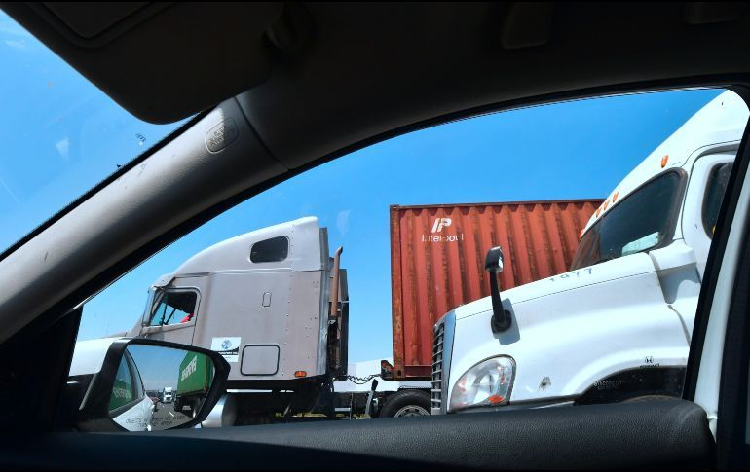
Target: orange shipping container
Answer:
pixel 437 261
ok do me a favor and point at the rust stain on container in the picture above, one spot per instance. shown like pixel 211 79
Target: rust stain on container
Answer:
pixel 437 261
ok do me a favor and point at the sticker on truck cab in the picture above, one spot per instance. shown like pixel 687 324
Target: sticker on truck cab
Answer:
pixel 566 275
pixel 229 348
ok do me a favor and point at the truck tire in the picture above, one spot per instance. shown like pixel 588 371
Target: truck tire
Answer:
pixel 191 411
pixel 406 403
pixel 195 406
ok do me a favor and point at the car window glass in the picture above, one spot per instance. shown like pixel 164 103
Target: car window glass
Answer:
pixel 386 278
pixel 63 136
pixel 716 187
pixel 175 307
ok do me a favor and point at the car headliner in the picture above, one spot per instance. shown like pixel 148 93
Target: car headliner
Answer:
pixel 322 80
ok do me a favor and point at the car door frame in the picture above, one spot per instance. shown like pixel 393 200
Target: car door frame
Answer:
pixel 717 375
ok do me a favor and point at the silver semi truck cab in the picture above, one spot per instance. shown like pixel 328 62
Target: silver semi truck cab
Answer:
pixel 272 302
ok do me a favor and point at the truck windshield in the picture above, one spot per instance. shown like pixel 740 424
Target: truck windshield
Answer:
pixel 641 221
pixel 149 306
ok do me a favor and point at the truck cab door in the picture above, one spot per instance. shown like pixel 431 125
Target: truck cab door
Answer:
pixel 708 182
pixel 175 311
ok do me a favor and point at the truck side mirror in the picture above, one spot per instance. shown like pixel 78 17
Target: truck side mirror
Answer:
pixel 120 372
pixel 493 264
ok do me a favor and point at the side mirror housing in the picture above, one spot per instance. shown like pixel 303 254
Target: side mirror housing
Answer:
pixel 495 261
pixel 494 264
pixel 116 373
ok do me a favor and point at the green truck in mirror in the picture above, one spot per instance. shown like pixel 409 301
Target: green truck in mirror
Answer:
pixel 196 374
pixel 146 370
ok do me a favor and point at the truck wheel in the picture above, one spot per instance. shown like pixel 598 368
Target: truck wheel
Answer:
pixel 195 407
pixel 406 403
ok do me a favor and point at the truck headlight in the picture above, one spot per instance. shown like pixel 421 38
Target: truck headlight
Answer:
pixel 486 384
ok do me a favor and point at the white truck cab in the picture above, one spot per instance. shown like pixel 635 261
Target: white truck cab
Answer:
pixel 618 325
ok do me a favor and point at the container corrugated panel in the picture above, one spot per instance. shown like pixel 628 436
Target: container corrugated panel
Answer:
pixel 437 261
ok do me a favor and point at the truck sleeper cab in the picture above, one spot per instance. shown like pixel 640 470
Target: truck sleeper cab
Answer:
pixel 618 325
pixel 262 300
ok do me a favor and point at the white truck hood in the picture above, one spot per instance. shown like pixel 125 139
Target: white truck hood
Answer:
pixel 628 266
pixel 615 313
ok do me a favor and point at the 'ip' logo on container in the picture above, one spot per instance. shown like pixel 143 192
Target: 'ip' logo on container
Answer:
pixel 440 223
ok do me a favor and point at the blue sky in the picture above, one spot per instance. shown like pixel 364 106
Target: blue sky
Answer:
pixel 158 366
pixel 62 136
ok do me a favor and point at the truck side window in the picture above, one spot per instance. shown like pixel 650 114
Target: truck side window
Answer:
pixel 715 189
pixel 175 307
pixel 270 250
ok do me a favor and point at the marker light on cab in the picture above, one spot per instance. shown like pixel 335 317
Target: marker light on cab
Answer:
pixel 486 384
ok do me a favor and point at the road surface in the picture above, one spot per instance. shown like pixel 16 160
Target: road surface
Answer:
pixel 165 417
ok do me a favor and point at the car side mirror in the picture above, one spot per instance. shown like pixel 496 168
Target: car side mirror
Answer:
pixel 117 373
pixel 494 264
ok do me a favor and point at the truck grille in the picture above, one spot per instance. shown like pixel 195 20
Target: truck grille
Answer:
pixel 436 392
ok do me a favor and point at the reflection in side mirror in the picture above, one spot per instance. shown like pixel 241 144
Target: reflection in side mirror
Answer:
pixel 186 374
pixel 493 264
pixel 143 385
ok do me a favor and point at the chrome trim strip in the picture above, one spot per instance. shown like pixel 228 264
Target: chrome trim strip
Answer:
pixel 448 335
pixel 446 327
pixel 436 374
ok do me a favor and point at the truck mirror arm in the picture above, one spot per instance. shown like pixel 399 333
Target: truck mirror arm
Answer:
pixel 493 264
